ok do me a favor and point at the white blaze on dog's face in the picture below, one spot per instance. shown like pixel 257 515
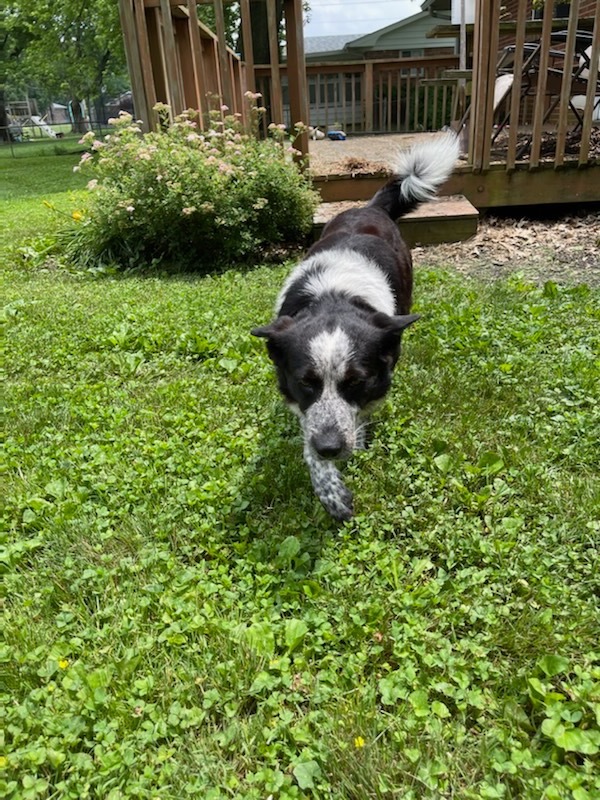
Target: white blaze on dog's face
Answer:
pixel 330 421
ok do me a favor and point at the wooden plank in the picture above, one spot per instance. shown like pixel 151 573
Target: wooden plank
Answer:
pixel 170 52
pixel 515 97
pixel 368 96
pixel 146 63
pixel 496 188
pixel 586 129
pixel 197 59
pixel 492 44
pixel 480 63
pixel 563 110
pixel 182 31
pixel 134 63
pixel 248 48
pixel 296 70
pixel 224 68
pixel 276 94
pixel 540 99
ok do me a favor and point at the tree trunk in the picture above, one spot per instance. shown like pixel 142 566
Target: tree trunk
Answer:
pixel 4 132
pixel 78 124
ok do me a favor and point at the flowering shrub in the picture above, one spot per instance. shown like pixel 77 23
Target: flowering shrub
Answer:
pixel 187 197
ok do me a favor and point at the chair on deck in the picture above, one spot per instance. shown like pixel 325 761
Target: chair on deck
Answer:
pixel 583 72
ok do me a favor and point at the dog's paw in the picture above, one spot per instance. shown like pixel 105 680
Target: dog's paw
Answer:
pixel 329 486
pixel 337 500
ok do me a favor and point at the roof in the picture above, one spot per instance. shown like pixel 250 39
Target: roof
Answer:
pixel 409 33
pixel 327 44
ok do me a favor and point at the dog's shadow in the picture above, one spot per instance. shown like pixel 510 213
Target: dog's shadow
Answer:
pixel 276 500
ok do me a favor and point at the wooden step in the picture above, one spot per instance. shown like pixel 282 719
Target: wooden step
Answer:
pixel 446 219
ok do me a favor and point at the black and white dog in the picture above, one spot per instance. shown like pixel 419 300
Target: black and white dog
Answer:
pixel 340 316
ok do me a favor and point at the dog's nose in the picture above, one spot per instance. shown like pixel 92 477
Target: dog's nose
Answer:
pixel 328 444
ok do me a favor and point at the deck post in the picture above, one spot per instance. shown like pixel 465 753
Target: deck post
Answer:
pixel 296 70
pixel 369 96
pixel 134 63
pixel 226 85
pixel 276 96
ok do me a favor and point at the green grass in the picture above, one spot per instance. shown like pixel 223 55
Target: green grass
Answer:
pixel 182 619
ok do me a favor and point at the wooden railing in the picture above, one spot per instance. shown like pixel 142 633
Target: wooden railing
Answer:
pixel 379 96
pixel 545 67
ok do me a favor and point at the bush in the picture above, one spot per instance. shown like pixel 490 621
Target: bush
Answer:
pixel 186 197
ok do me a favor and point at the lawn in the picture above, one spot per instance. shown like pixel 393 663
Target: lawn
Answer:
pixel 182 619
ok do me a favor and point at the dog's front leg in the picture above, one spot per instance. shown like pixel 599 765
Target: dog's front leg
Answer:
pixel 328 485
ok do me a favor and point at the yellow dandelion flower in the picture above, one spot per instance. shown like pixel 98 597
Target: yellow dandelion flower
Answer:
pixel 63 663
pixel 359 742
pixel 77 216
pixel 3 762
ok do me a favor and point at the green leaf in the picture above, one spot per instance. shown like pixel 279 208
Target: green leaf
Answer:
pixel 419 701
pixel 443 462
pixel 552 665
pixel 261 638
pixel 440 709
pixel 490 463
pixel 306 773
pixel 390 690
pixel 295 631
pixel 289 548
pixel 572 739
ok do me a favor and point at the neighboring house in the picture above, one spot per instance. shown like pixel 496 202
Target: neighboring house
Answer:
pixel 406 38
pixel 338 97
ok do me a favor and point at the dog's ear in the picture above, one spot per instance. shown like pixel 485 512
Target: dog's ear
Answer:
pixel 273 329
pixel 393 324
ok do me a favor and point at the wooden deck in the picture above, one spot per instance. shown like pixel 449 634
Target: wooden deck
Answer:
pixel 495 188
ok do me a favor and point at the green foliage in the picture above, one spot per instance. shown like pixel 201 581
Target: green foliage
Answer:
pixel 69 50
pixel 199 199
pixel 182 618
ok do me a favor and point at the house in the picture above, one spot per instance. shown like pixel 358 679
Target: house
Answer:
pixel 348 97
pixel 406 38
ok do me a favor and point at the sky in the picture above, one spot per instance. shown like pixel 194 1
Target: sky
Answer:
pixel 337 17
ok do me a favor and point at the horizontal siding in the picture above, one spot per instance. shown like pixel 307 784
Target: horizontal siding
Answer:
pixel 413 37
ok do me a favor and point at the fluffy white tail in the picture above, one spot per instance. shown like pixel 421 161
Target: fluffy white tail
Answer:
pixel 418 173
pixel 423 168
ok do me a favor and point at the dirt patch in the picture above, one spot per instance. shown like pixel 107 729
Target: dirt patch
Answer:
pixel 565 250
pixel 360 155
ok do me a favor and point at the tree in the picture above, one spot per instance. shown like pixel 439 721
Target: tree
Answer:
pixel 15 35
pixel 73 45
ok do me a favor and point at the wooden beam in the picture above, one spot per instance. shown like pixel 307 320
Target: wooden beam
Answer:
pixel 495 188
pixel 171 63
pixel 565 92
pixel 276 94
pixel 515 97
pixel 248 49
pixel 197 59
pixel 368 96
pixel 190 94
pixel 226 86
pixel 296 71
pixel 134 63
pixel 540 98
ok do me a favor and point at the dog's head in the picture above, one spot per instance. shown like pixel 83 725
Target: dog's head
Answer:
pixel 330 370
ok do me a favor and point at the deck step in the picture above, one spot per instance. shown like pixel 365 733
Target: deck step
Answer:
pixel 446 219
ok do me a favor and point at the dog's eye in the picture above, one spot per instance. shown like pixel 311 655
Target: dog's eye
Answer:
pixel 309 382
pixel 354 382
